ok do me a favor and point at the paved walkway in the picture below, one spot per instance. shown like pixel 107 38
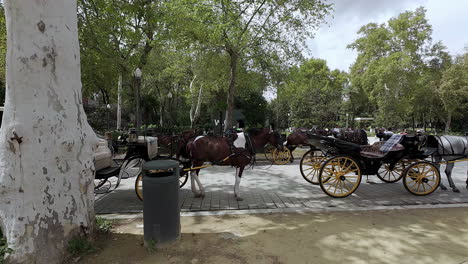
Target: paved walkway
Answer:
pixel 272 187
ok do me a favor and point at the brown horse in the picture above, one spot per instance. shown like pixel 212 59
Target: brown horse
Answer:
pixel 219 151
pixel 295 139
pixel 299 138
pixel 354 136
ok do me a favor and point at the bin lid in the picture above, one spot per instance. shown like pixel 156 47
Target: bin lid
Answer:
pixel 160 164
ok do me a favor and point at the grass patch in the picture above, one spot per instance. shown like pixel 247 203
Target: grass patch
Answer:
pixel 4 249
pixel 80 246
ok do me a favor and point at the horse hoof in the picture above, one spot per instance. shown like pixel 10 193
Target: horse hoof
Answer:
pixel 443 187
pixel 239 199
pixel 198 195
pixel 456 190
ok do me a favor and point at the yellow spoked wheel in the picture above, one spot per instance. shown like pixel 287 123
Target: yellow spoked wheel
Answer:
pixel 282 157
pixel 310 165
pixel 340 176
pixel 269 150
pixel 387 175
pixel 139 183
pixel 139 186
pixel 421 178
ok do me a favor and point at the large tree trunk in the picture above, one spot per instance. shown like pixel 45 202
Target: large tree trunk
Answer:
pixel 232 89
pixel 46 155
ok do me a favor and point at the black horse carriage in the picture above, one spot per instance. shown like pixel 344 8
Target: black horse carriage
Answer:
pixel 110 169
pixel 401 157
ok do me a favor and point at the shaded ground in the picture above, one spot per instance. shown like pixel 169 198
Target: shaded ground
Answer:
pixel 397 236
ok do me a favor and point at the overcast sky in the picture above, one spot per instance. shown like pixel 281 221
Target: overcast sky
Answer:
pixel 449 20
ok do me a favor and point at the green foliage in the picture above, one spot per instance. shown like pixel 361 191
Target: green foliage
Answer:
pixel 398 72
pixel 453 90
pixel 314 95
pixel 103 225
pixel 80 246
pixel 4 249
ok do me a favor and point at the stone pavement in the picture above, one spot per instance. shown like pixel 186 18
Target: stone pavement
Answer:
pixel 279 187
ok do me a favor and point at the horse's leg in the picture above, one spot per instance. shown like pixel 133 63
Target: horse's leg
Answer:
pixel 194 180
pixel 200 186
pixel 192 183
pixel 448 172
pixel 438 159
pixel 467 176
pixel 239 171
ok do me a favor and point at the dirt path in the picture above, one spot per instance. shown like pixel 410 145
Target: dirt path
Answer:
pixel 399 236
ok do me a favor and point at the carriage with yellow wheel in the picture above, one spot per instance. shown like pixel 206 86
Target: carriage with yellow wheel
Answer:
pixel 276 156
pixel 341 173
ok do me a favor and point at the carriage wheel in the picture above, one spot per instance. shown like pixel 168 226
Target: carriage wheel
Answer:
pixel 183 178
pixel 421 178
pixel 269 150
pixel 139 186
pixel 340 176
pixel 98 183
pixel 391 176
pixel 310 165
pixel 282 157
pixel 131 167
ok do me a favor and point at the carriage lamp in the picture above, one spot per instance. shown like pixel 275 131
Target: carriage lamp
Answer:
pixel 132 136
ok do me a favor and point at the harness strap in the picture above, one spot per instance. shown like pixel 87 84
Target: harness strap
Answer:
pixel 450 143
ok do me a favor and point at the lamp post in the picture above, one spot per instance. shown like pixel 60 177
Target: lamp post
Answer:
pixel 108 116
pixel 137 82
pixel 347 120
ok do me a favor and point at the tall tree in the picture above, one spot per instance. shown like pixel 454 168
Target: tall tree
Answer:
pixel 46 161
pixel 453 90
pixel 257 31
pixel 314 94
pixel 391 59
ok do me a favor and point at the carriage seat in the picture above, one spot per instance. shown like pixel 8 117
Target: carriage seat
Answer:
pixel 374 150
pixel 102 155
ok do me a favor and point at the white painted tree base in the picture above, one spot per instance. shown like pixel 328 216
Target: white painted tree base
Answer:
pixel 46 160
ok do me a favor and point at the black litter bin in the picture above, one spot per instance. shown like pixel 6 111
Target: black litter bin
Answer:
pixel 161 213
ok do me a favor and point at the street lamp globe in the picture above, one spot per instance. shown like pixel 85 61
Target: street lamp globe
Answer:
pixel 108 106
pixel 137 73
pixel 169 95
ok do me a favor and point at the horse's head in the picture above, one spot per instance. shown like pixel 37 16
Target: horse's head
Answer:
pixel 274 138
pixel 421 137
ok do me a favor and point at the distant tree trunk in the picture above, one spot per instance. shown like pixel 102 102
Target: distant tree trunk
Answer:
pixel 448 122
pixel 46 144
pixel 196 103
pixel 232 87
pixel 119 103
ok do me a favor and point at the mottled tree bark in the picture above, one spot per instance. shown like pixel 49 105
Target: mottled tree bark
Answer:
pixel 46 155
